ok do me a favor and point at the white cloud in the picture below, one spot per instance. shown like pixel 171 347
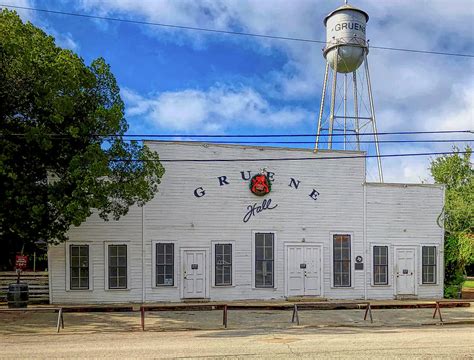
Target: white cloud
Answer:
pixel 458 113
pixel 216 109
pixel 411 91
pixel 64 40
pixel 403 23
pixel 407 169
pixel 25 15
pixel 276 17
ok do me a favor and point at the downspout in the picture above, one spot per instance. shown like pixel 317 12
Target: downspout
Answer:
pixel 50 288
pixel 143 254
pixel 365 240
pixel 441 252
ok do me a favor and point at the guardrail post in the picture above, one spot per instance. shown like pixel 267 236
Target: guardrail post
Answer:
pixel 295 315
pixel 438 309
pixel 368 309
pixel 224 316
pixel 142 315
pixel 60 319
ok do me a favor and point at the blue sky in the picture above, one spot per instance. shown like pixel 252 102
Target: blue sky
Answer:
pixel 179 81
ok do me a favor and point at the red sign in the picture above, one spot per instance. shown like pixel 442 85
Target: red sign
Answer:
pixel 21 261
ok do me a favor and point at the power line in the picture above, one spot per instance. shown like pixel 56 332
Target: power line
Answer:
pixel 228 32
pixel 294 135
pixel 326 142
pixel 276 142
pixel 422 51
pixel 191 136
pixel 292 159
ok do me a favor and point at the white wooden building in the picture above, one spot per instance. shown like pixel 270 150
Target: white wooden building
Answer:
pixel 322 231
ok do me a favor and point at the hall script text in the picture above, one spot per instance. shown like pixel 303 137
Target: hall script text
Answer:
pixel 254 209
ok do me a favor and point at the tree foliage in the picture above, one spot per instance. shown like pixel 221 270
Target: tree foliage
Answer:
pixel 54 168
pixel 456 173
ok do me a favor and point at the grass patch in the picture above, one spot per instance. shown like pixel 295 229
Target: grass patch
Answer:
pixel 468 284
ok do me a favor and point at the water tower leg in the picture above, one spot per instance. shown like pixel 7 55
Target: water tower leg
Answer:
pixel 321 109
pixel 374 124
pixel 333 101
pixel 345 110
pixel 356 109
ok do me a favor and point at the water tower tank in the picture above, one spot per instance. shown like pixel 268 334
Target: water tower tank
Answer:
pixel 345 38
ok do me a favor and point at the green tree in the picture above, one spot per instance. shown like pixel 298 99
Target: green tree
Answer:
pixel 456 173
pixel 54 168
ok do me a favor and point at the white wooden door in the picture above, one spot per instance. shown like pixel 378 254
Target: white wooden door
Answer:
pixel 194 274
pixel 405 265
pixel 303 270
pixel 295 276
pixel 312 259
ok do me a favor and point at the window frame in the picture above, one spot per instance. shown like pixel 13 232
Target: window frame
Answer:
pixel 254 260
pixel 436 265
pixel 276 256
pixel 106 262
pixel 175 263
pixel 351 258
pixel 213 263
pixel 372 247
pixel 68 266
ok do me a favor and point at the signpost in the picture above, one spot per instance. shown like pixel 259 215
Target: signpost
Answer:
pixel 21 262
pixel 17 295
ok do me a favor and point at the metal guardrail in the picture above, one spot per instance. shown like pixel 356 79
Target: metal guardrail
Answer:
pixel 295 307
pixel 227 307
pixel 332 306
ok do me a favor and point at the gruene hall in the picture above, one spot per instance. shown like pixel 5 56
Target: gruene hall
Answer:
pixel 267 223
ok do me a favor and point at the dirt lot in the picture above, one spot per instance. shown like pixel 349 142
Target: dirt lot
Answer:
pixel 45 323
pixel 338 334
pixel 433 342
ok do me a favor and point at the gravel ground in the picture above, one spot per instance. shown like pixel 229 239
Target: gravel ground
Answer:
pixel 45 323
pixel 339 334
pixel 432 342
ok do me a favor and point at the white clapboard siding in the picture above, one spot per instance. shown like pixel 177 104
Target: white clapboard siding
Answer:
pixel 95 232
pixel 176 215
pixel 405 215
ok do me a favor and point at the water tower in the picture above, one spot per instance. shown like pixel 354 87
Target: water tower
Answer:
pixel 345 51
